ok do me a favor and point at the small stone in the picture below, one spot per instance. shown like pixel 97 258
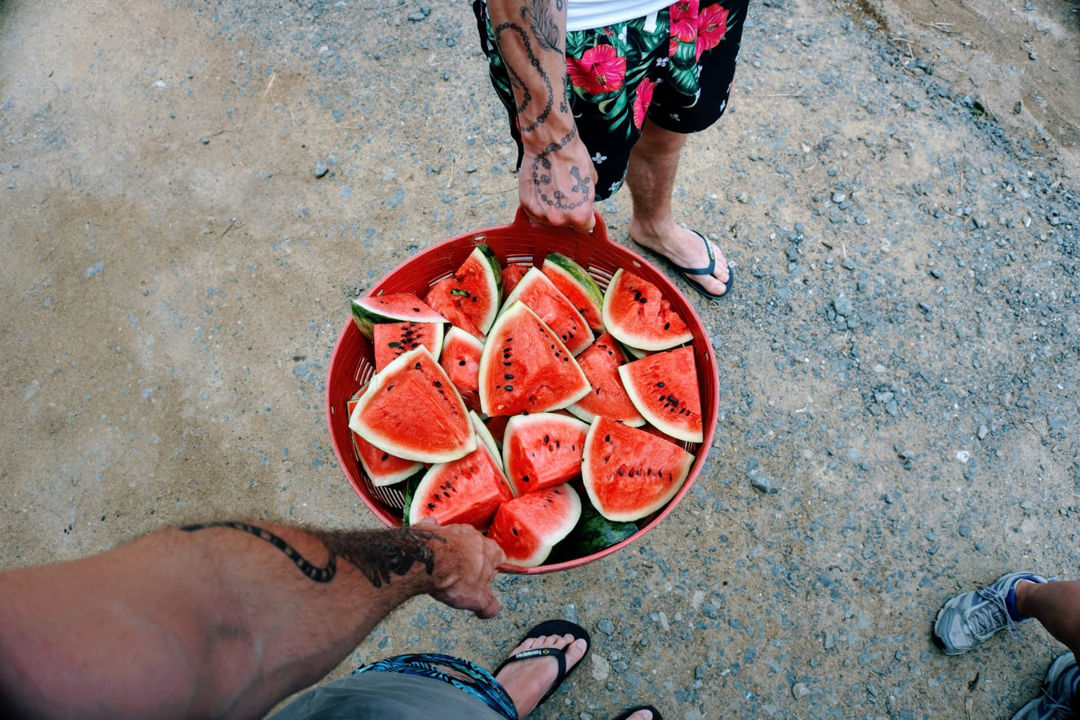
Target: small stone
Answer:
pixel 799 690
pixel 321 169
pixel 982 432
pixel 204 140
pixel 843 306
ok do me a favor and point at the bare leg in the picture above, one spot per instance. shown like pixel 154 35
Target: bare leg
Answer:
pixel 650 175
pixel 526 681
pixel 1056 605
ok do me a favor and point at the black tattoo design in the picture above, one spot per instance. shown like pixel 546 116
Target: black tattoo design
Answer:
pixel 544 26
pixel 580 192
pixel 377 554
pixel 522 89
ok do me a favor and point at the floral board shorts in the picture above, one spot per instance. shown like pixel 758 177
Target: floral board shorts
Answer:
pixel 675 67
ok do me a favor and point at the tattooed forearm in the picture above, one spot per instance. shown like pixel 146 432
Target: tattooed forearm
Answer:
pixel 377 554
pixel 524 95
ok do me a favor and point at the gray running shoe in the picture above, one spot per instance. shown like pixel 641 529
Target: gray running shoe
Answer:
pixel 1059 692
pixel 971 617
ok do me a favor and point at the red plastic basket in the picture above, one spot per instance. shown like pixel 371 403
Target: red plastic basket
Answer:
pixel 521 243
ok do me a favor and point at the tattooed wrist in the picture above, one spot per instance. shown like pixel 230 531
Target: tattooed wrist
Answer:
pixel 379 555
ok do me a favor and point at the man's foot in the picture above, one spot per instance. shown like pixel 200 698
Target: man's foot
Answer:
pixel 1059 692
pixel 970 618
pixel 686 249
pixel 529 680
pixel 641 712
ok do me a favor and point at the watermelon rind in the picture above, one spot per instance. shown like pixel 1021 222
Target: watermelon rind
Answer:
pixel 467 490
pixel 664 388
pixel 578 286
pixel 530 525
pixel 593 533
pixel 391 307
pixel 429 425
pixel 629 473
pixel 484 435
pixel 545 377
pixel 636 313
pixel 541 450
pixel 537 291
pixel 460 359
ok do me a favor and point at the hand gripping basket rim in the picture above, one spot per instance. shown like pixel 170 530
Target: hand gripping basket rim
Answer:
pixel 520 243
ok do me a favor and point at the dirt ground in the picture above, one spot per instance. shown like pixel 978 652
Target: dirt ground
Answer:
pixel 895 183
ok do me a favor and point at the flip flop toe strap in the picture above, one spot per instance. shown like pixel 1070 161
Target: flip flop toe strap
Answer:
pixel 557 653
pixel 708 269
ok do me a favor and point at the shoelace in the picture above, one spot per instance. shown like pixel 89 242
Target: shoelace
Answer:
pixel 1051 708
pixel 985 619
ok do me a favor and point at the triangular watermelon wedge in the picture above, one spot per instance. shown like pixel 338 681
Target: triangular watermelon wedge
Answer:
pixel 474 290
pixel 664 388
pixel 412 410
pixel 555 309
pixel 526 368
pixel 608 397
pixel 381 467
pixel 578 286
pixel 638 315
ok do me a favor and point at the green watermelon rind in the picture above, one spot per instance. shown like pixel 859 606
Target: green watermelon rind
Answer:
pixel 484 435
pixel 627 335
pixel 490 349
pixel 557 423
pixel 535 277
pixel 593 533
pixel 568 269
pixel 589 479
pixel 550 538
pixel 380 439
pixel 366 313
pixel 641 402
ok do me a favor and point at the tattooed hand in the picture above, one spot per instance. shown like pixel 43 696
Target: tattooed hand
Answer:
pixel 464 567
pixel 557 183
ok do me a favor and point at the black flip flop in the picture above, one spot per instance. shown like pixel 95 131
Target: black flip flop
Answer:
pixel 627 713
pixel 551 627
pixel 703 271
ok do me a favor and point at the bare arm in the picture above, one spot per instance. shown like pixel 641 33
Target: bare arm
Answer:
pixel 219 620
pixel 557 179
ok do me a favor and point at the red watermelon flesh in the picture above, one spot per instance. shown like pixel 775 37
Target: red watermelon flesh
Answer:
pixel 629 473
pixel 460 359
pixel 526 368
pixel 541 450
pixel 608 397
pixel 496 425
pixel 527 527
pixel 551 306
pixel 474 290
pixel 391 307
pixel 467 490
pixel 412 410
pixel 578 286
pixel 511 276
pixel 390 340
pixel 664 388
pixel 381 467
pixel 638 315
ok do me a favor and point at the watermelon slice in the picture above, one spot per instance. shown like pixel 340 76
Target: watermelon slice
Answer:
pixel 664 388
pixel 551 306
pixel 526 368
pixel 381 467
pixel 460 359
pixel 397 338
pixel 578 286
pixel 527 527
pixel 541 450
pixel 511 276
pixel 392 307
pixel 629 473
pixel 608 397
pixel 473 292
pixel 411 410
pixel 638 315
pixel 467 490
